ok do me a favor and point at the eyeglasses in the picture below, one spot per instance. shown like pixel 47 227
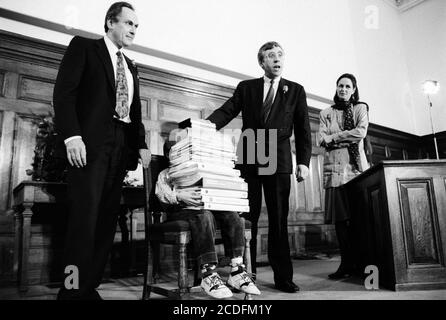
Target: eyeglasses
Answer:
pixel 274 56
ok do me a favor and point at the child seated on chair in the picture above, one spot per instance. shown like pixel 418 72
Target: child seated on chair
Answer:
pixel 183 205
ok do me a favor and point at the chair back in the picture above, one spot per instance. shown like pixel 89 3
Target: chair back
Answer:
pixel 152 204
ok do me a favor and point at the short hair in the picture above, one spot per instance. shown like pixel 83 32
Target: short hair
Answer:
pixel 114 11
pixel 355 96
pixel 267 46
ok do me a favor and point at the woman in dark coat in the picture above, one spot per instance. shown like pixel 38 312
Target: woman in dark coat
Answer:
pixel 342 130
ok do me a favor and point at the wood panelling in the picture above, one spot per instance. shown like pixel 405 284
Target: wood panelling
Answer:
pixel 419 221
pixel 33 88
pixel 168 111
pixel 28 69
pixel 428 146
pixel 145 108
pixel 6 158
pixel 2 83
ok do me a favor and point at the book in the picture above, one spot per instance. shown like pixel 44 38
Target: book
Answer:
pixel 226 184
pixel 200 158
pixel 210 180
pixel 196 122
pixel 197 133
pixel 225 207
pixel 193 167
pixel 224 193
pixel 225 200
pixel 204 153
pixel 202 150
pixel 213 144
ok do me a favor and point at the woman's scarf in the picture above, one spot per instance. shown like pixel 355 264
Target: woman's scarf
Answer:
pixel 349 124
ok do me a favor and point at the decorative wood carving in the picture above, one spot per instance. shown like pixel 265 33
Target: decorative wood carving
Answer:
pixel 420 222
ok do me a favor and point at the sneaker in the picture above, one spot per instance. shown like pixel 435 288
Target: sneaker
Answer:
pixel 241 280
pixel 214 286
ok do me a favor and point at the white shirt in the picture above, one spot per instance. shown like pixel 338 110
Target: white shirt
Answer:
pixel 112 50
pixel 267 84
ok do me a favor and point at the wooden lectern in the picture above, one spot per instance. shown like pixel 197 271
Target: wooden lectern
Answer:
pixel 399 222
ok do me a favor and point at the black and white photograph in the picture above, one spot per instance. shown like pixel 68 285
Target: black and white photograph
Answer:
pixel 222 157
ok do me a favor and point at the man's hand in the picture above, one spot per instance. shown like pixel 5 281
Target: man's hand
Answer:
pixel 191 197
pixel 302 172
pixel 76 153
pixel 144 157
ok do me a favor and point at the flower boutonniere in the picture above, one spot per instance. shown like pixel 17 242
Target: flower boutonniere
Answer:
pixel 133 63
pixel 285 89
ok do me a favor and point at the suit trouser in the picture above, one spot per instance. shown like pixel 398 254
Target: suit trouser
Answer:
pixel 94 193
pixel 277 192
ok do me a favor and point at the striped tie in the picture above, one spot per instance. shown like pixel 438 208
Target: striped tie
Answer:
pixel 268 102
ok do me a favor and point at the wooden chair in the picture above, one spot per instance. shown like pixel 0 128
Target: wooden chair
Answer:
pixel 175 233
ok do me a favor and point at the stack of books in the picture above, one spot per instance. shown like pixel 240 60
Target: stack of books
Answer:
pixel 205 158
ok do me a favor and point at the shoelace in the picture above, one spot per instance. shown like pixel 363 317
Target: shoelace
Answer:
pixel 246 277
pixel 215 281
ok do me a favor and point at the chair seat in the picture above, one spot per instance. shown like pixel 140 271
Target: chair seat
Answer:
pixel 170 226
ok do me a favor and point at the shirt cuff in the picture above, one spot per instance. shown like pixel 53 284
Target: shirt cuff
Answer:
pixel 72 138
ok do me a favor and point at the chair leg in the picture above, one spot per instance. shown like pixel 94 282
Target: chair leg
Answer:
pixel 148 275
pixel 247 258
pixel 248 251
pixel 182 270
pixel 156 260
pixel 197 272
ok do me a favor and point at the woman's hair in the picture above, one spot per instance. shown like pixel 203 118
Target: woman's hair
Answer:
pixel 355 96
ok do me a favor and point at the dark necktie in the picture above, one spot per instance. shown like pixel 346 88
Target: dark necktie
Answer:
pixel 122 90
pixel 353 148
pixel 268 102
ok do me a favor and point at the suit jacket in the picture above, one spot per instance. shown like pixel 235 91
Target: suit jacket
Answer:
pixel 85 99
pixel 289 111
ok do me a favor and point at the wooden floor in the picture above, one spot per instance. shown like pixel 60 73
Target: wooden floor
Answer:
pixel 309 274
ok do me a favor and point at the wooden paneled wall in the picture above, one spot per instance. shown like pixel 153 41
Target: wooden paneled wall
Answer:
pixel 28 69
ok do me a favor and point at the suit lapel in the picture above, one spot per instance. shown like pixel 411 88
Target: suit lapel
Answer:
pixel 134 73
pixel 258 100
pixel 106 61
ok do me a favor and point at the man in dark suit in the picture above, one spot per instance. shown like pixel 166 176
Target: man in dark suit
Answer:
pixel 98 119
pixel 272 102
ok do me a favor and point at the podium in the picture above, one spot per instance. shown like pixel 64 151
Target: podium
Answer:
pixel 399 223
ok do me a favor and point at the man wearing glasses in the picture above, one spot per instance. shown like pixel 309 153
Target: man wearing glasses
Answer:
pixel 271 103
